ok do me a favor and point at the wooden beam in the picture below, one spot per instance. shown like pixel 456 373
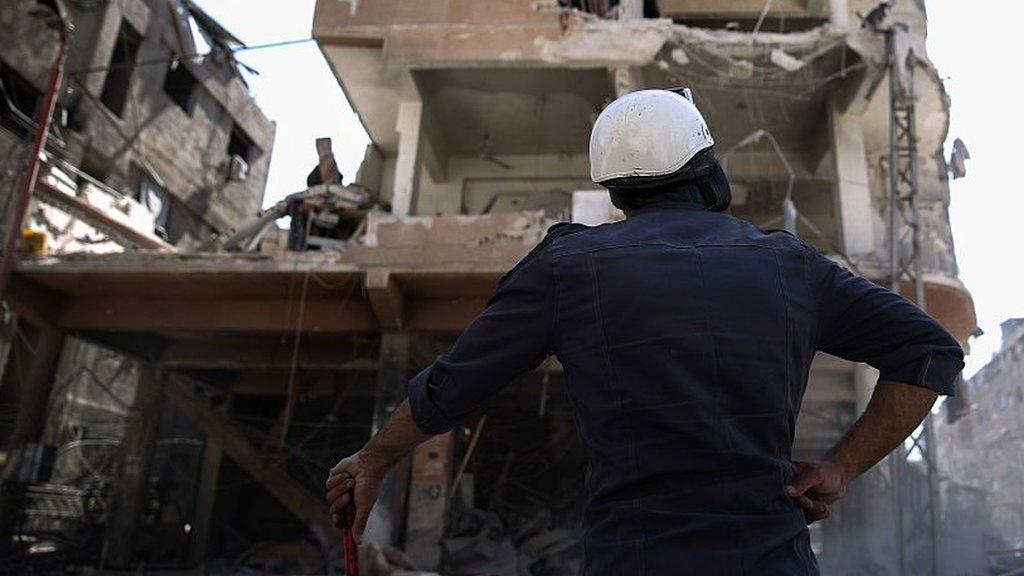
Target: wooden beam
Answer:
pixel 206 494
pixel 34 395
pixel 263 316
pixel 307 507
pixel 141 314
pixel 264 383
pixel 37 304
pixel 33 400
pixel 132 477
pixel 265 354
pixel 386 297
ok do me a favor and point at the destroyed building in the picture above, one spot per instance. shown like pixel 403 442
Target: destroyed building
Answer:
pixel 257 371
pixel 981 446
pixel 156 142
pixel 487 110
pixel 154 120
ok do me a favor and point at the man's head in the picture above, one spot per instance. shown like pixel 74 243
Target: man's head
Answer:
pixel 654 145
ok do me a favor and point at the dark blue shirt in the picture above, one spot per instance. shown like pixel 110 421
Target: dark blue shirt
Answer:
pixel 686 338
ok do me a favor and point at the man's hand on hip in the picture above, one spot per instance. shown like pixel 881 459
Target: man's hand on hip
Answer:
pixel 816 486
pixel 895 410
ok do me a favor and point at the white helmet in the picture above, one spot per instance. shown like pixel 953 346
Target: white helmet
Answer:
pixel 647 138
pixel 649 133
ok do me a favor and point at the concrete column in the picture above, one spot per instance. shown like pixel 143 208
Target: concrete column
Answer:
pixel 392 374
pixel 134 460
pixel 594 207
pixel 35 387
pixel 428 497
pixel 852 194
pixel 864 379
pixel 627 80
pixel 839 13
pixel 631 9
pixel 410 152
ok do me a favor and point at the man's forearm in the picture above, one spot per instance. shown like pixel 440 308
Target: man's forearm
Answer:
pixel 356 481
pixel 397 438
pixel 894 412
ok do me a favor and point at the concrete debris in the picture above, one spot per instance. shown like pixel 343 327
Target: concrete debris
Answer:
pixel 740 69
pixel 481 544
pixel 785 61
pixel 679 56
pixel 958 159
pixel 377 560
pixel 596 41
pixel 524 228
pixel 289 557
pixel 89 218
pixel 877 15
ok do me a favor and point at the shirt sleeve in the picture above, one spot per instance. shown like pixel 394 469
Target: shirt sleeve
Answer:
pixel 863 322
pixel 511 336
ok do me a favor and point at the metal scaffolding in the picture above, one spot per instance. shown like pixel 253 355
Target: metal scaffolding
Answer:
pixel 913 473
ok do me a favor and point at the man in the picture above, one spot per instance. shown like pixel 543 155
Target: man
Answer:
pixel 686 336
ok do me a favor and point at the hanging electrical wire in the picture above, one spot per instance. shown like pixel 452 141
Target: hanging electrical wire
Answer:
pixel 178 57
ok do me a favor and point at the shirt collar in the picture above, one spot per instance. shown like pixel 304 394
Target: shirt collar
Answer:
pixel 671 206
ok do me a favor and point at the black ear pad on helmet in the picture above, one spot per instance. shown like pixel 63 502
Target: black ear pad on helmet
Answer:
pixel 715 190
pixel 701 180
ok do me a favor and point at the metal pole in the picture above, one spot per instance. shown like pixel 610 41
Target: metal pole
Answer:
pixel 903 181
pixel 32 169
pixel 894 183
pixel 896 457
pixel 934 497
pixel 938 562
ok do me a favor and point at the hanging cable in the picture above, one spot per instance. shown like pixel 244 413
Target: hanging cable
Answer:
pixel 169 59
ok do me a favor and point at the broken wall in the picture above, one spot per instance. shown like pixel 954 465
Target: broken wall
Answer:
pixel 185 152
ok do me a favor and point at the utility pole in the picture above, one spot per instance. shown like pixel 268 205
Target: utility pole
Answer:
pixel 905 263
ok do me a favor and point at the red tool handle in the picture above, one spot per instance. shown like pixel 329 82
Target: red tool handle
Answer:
pixel 351 548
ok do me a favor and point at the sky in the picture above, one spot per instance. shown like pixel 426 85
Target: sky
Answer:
pixel 295 88
pixel 973 44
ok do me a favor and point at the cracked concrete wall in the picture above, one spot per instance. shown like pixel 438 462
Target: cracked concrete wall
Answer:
pixel 507 183
pixel 736 79
pixel 461 36
pixel 187 151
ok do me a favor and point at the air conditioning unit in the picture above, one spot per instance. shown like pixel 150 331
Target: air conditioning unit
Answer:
pixel 238 168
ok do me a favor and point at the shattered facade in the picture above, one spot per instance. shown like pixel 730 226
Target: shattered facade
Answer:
pixel 154 120
pixel 257 369
pixel 483 109
pixel 156 143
